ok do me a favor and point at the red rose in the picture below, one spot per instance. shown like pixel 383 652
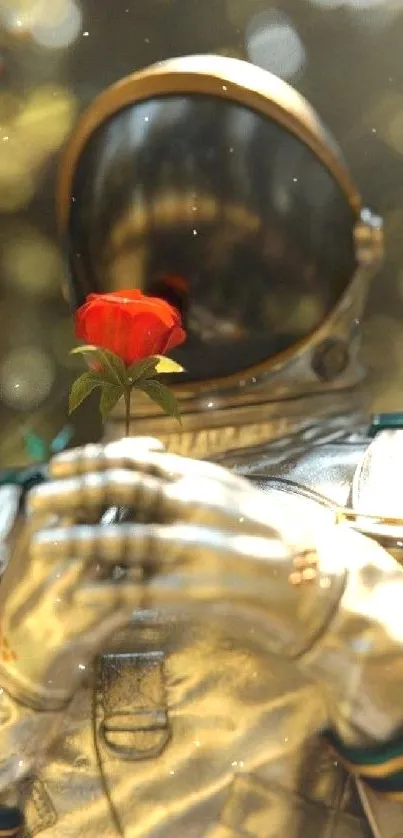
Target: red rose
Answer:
pixel 129 324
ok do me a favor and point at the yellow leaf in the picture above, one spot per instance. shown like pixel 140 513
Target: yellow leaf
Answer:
pixel 167 365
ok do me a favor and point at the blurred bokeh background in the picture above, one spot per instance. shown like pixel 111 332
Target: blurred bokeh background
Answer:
pixel 56 55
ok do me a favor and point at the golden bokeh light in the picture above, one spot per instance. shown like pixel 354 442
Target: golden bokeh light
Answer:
pixel 272 42
pixel 10 105
pixel 17 16
pixel 30 131
pixel 52 25
pixel 26 377
pixel 17 184
pixel 31 263
pixel 46 119
pixel 57 24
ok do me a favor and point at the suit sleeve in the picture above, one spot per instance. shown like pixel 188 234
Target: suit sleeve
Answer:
pixel 358 662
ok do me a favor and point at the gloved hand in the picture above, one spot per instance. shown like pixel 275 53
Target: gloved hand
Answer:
pixel 58 605
pixel 195 537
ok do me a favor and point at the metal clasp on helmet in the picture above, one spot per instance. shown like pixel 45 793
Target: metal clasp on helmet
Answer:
pixel 368 237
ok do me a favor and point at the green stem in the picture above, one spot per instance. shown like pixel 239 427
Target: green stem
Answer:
pixel 127 395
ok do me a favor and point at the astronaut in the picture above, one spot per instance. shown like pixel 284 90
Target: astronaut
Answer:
pixel 212 647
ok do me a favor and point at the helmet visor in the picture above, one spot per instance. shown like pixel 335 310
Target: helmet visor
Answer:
pixel 220 210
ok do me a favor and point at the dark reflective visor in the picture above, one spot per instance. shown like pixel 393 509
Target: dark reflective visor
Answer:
pixel 220 210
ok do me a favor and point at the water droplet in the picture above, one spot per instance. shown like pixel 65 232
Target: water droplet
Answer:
pixel 81 666
pixel 224 87
pixel 195 232
pixel 295 179
pixel 85 34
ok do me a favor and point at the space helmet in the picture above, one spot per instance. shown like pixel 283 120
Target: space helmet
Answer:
pixel 213 184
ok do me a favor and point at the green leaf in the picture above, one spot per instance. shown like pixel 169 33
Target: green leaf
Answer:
pixel 161 395
pixel 36 447
pixel 167 365
pixel 82 387
pixel 111 393
pixel 115 366
pixel 142 369
pixel 113 369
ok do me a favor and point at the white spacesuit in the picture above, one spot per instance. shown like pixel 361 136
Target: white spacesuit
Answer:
pixel 214 649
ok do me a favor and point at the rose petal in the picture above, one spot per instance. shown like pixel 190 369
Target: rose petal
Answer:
pixel 129 324
pixel 176 336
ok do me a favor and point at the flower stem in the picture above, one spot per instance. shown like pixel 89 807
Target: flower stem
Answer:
pixel 127 395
